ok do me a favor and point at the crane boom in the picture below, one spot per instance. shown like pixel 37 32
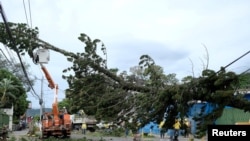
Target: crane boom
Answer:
pixel 52 85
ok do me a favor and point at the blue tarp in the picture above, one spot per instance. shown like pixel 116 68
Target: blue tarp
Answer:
pixel 152 127
pixel 247 96
pixel 194 110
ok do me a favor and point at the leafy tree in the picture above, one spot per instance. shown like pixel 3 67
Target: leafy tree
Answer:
pixel 12 93
pixel 15 69
pixel 244 79
pixel 64 103
pixel 5 88
pixel 101 91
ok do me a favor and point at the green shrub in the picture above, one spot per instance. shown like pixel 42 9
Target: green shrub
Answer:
pixel 117 132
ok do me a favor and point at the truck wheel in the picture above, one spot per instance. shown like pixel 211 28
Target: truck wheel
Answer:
pixel 65 134
pixel 46 135
pixel 91 129
pixel 76 127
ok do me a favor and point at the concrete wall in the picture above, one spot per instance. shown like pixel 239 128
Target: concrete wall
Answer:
pixel 9 112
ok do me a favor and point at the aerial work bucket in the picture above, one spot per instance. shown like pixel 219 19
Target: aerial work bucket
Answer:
pixel 41 56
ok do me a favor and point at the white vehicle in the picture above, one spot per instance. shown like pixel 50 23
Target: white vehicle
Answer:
pixel 78 119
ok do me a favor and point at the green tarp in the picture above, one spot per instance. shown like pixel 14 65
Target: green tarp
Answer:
pixel 4 120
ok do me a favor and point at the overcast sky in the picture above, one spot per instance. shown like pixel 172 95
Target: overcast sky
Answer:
pixel 172 32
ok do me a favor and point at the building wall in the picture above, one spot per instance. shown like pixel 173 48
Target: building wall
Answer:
pixel 9 112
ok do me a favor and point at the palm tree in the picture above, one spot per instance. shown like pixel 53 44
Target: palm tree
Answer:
pixel 6 89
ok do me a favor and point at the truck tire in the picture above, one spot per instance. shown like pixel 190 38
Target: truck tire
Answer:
pixel 91 129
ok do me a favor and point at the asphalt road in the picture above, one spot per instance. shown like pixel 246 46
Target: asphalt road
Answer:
pixel 76 135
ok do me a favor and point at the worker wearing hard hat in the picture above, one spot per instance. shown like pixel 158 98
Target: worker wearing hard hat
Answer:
pixel 187 127
pixel 177 126
pixel 65 110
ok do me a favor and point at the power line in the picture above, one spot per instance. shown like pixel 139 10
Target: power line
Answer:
pixel 14 45
pixel 30 14
pixel 233 61
pixel 26 15
pixel 6 57
pixel 246 71
pixel 25 12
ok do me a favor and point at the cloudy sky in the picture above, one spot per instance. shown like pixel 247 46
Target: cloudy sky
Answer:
pixel 173 32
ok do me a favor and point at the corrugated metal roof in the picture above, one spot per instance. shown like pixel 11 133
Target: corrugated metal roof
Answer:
pixel 233 115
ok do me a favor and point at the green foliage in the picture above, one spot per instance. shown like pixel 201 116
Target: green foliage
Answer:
pixel 64 103
pixel 117 132
pixel 15 70
pixel 244 79
pixel 12 138
pixel 14 90
pixel 142 96
pixel 23 36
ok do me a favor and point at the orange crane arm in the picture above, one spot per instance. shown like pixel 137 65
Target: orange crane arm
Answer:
pixel 52 85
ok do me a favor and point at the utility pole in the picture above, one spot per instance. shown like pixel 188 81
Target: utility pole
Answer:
pixel 41 100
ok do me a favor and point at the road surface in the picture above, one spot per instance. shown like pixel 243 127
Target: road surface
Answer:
pixel 76 135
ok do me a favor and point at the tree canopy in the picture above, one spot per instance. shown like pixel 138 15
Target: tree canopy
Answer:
pixel 145 95
pixel 13 93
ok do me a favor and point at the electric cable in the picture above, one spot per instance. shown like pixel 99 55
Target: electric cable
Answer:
pixel 30 14
pixel 6 57
pixel 25 12
pixel 233 61
pixel 246 71
pixel 27 17
pixel 14 45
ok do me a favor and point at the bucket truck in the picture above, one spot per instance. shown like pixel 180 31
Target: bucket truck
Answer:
pixel 56 123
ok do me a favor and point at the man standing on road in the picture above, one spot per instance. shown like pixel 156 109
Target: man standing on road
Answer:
pixel 177 126
pixel 84 127
pixel 162 132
